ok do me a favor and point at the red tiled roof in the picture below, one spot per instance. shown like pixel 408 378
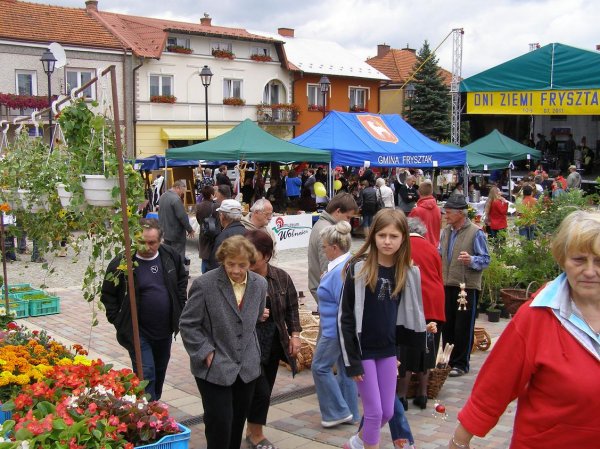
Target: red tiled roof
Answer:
pixel 147 36
pixel 34 22
pixel 399 64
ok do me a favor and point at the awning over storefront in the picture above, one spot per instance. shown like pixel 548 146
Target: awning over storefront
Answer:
pixel 198 133
pixel 556 79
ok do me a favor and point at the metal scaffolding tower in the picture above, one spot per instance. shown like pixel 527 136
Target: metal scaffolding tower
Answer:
pixel 457 48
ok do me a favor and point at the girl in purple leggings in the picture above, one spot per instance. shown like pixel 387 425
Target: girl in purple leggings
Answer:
pixel 380 308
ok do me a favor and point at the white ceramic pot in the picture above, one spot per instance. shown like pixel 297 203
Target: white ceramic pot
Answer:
pixel 64 196
pixel 34 206
pixel 97 189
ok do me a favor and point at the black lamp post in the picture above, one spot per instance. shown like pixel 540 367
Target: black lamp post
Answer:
pixel 325 84
pixel 48 61
pixel 409 92
pixel 206 76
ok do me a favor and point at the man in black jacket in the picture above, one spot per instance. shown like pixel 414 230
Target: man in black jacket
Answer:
pixel 230 216
pixel 160 281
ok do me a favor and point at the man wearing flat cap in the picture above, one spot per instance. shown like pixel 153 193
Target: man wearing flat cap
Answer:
pixel 230 216
pixel 464 251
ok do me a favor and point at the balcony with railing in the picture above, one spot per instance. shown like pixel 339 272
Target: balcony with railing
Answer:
pixel 277 114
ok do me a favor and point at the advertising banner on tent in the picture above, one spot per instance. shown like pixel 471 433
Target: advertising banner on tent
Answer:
pixel 543 102
pixel 292 231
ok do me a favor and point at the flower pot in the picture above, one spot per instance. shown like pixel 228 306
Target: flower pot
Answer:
pixel 34 206
pixel 97 189
pixel 64 196
pixel 504 313
pixel 493 316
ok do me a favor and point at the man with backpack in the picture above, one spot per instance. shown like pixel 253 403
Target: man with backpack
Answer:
pixel 208 220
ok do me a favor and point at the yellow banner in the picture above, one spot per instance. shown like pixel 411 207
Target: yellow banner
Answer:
pixel 544 102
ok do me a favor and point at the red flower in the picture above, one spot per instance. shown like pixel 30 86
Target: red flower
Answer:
pixel 22 401
pixel 12 326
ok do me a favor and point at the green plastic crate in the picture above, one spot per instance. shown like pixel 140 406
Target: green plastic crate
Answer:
pixel 18 307
pixel 29 288
pixel 40 307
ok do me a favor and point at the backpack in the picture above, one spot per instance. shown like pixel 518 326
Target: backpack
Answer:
pixel 210 227
pixel 380 203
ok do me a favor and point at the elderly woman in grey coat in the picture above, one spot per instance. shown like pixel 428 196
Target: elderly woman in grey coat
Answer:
pixel 218 330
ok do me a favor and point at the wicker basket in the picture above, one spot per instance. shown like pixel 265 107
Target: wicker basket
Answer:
pixel 513 298
pixel 481 340
pixel 304 356
pixel 437 377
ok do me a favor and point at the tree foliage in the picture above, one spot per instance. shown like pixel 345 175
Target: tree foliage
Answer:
pixel 431 106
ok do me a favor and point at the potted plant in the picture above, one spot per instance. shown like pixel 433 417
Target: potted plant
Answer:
pixel 179 49
pixel 170 99
pixel 223 54
pixel 234 101
pixel 24 101
pixel 261 58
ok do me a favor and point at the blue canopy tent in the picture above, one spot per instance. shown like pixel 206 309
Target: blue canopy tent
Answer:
pixel 381 140
pixel 157 162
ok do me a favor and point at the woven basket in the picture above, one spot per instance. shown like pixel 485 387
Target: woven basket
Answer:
pixel 513 298
pixel 304 356
pixel 481 340
pixel 307 319
pixel 437 377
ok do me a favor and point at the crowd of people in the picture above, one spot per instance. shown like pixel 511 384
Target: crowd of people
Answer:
pixel 383 310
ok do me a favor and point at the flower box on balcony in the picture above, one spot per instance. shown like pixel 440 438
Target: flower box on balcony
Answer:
pixel 358 109
pixel 234 101
pixel 179 49
pixel 261 58
pixel 223 54
pixel 315 107
pixel 163 99
pixel 24 101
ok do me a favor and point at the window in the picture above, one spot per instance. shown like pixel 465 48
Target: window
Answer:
pixel 77 78
pixel 232 88
pixel 358 99
pixel 261 51
pixel 161 85
pixel 26 83
pixel 558 118
pixel 274 93
pixel 221 46
pixel 315 97
pixel 178 41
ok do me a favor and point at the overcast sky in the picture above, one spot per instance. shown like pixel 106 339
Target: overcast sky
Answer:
pixel 494 30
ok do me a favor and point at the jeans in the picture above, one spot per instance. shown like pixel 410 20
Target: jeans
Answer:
pixel 337 399
pixel 399 427
pixel 155 359
pixel 528 232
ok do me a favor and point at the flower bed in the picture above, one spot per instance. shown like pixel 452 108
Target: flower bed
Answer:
pixel 170 99
pixel 261 58
pixel 58 398
pixel 179 49
pixel 223 54
pixel 234 101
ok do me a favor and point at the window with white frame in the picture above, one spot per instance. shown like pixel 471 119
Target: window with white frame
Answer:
pixel 261 51
pixel 221 46
pixel 178 41
pixel 161 85
pixel 77 78
pixel 232 88
pixel 358 98
pixel 315 96
pixel 26 82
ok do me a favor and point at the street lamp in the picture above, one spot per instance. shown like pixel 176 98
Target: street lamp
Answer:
pixel 409 92
pixel 325 84
pixel 206 76
pixel 48 61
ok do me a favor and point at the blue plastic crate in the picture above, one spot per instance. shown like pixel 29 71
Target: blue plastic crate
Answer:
pixel 177 441
pixel 4 416
pixel 47 306
pixel 20 286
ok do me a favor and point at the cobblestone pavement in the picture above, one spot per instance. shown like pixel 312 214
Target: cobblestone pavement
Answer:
pixel 294 420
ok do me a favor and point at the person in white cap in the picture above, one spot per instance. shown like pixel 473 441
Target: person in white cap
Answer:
pixel 230 215
pixel 574 178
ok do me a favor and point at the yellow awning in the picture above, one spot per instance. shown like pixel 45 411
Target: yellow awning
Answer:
pixel 192 133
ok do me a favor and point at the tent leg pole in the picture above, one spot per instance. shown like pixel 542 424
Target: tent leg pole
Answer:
pixel 330 182
pixel 466 181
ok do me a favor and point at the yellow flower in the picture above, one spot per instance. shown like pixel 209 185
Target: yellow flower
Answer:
pixel 122 267
pixel 22 379
pixel 62 213
pixel 82 360
pixel 64 362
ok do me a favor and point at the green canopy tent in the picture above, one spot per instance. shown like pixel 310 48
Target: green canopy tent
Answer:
pixel 248 141
pixel 553 66
pixel 497 151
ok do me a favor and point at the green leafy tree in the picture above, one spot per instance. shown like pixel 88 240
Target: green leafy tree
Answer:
pixel 429 110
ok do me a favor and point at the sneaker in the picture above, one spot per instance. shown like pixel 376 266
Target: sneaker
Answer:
pixel 354 443
pixel 328 424
pixel 456 372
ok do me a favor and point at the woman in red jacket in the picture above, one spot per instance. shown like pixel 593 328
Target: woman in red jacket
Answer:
pixel 496 209
pixel 548 356
pixel 426 257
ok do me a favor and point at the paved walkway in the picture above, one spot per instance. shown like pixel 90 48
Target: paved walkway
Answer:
pixel 294 420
